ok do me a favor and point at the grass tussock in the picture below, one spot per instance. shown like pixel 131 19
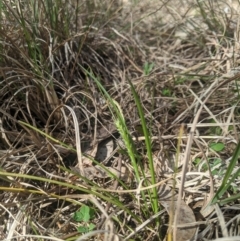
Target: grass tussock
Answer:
pixel 119 120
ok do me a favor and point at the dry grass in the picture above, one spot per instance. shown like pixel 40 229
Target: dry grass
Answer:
pixel 54 120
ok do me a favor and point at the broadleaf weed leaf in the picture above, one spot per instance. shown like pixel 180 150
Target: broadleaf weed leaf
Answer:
pixel 217 146
pixel 78 217
pixel 83 229
pixel 85 213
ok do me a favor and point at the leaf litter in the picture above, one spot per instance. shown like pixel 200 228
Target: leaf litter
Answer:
pixel 191 55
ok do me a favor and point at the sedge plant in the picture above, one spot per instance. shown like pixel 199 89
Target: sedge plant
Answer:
pixel 228 179
pixel 135 158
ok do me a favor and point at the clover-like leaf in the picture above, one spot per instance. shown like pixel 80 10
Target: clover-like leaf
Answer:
pixel 84 214
pixel 217 146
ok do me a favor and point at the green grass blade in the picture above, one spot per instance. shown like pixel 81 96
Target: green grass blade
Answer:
pixel 120 124
pixel 232 198
pixel 226 183
pixel 148 146
pixel 130 147
pixel 46 135
pixel 85 189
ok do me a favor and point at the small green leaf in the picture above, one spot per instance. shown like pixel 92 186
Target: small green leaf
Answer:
pixel 147 68
pixel 78 216
pixel 86 229
pixel 166 92
pixel 217 146
pixel 91 213
pixel 91 226
pixel 85 210
pixel 83 229
pixel 196 161
pixel 84 214
pixel 214 162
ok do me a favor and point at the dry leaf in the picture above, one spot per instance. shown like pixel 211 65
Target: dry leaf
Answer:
pixel 105 148
pixel 185 217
